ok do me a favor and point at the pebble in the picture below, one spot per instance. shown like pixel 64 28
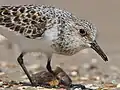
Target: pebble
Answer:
pixel 118 86
pixel 91 86
pixel 84 78
pixel 1 83
pixel 95 78
pixel 73 73
pixel 2 73
pixel 77 89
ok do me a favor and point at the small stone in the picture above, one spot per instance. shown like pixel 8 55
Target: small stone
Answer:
pixel 88 85
pixel 1 83
pixel 91 86
pixel 3 64
pixel 39 87
pixel 2 73
pixel 114 82
pixel 74 73
pixel 77 89
pixel 84 78
pixel 118 86
pixel 63 77
pixel 95 78
pixel 47 79
pixel 44 78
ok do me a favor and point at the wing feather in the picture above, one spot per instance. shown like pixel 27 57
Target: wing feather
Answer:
pixel 26 20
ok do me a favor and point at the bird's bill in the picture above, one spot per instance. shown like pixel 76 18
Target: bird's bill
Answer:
pixel 97 48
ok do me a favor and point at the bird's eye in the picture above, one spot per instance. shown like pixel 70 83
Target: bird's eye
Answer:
pixel 82 32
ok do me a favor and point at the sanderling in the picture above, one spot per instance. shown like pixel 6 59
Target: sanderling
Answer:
pixel 41 28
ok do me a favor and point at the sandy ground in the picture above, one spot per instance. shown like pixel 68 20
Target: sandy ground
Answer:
pixel 104 13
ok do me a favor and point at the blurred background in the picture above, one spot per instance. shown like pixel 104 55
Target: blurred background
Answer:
pixel 105 14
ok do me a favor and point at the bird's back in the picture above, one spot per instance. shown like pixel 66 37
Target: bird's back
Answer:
pixel 23 20
pixel 30 20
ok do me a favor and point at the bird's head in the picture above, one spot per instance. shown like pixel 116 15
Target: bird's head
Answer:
pixel 87 33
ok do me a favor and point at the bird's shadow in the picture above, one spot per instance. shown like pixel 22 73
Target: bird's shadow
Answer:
pixel 25 84
pixel 42 85
pixel 72 86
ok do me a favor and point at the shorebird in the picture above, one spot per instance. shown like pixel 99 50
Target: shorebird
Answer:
pixel 47 29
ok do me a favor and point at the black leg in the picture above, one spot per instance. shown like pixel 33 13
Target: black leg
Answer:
pixel 20 61
pixel 49 66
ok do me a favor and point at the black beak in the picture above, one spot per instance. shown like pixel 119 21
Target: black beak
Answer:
pixel 97 48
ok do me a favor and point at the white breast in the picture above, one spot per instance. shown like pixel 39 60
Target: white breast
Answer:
pixel 26 44
pixel 51 34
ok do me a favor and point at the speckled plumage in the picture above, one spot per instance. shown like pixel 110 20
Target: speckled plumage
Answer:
pixel 33 20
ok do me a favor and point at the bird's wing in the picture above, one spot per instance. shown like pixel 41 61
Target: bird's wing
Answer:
pixel 25 20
